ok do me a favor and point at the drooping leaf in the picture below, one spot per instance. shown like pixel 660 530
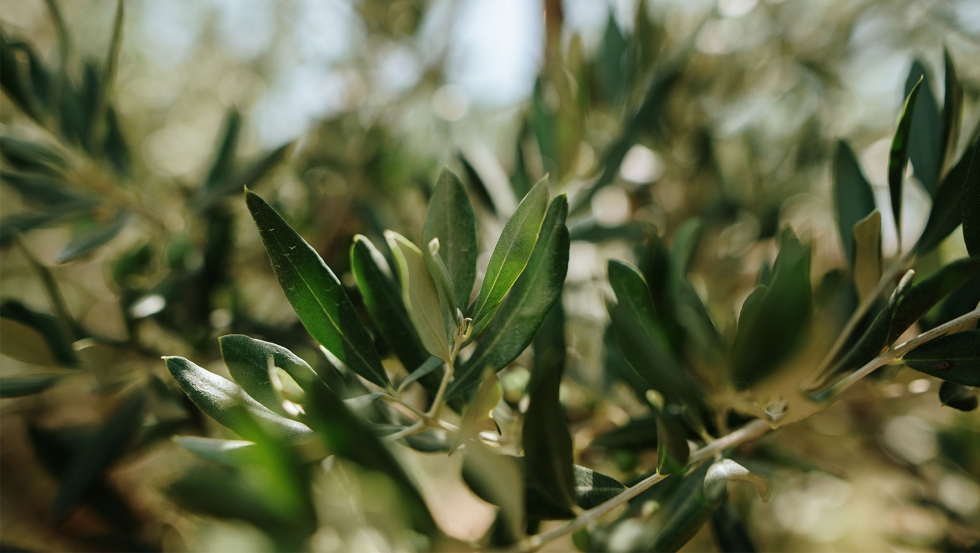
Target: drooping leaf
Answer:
pixel 533 295
pixel 451 220
pixel 383 300
pixel 954 358
pixel 641 339
pixel 867 254
pixel 781 316
pixel 316 294
pixel 853 198
pixel 729 530
pixel 88 242
pixel 91 461
pixel 545 435
pixel 724 471
pixel 218 398
pixel 247 360
pixel 923 296
pixel 875 338
pixel 925 133
pixel 223 452
pixel 511 254
pixel 947 207
pixel 971 203
pixel 19 386
pixel 957 396
pixel 898 155
pixel 421 296
pixel 655 265
pixel 672 449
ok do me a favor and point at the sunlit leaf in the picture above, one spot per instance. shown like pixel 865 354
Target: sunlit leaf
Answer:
pixel 247 360
pixel 316 294
pixel 867 254
pixel 526 306
pixel 451 220
pixel 511 254
pixel 223 452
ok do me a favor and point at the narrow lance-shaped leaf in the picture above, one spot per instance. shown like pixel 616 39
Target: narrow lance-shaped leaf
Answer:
pixel 93 239
pixel 225 155
pixel 20 386
pixel 383 300
pixel 898 156
pixel 853 198
pixel 248 175
pixel 511 254
pixel 547 441
pixel 219 398
pixel 867 254
pixel 952 108
pixel 948 206
pixel 315 294
pixel 420 295
pixel 247 360
pixel 90 462
pixel 925 133
pixel 50 328
pixel 685 245
pixel 422 371
pixel 591 489
pixel 971 203
pixel 729 530
pixel 451 220
pixel 223 452
pixel 522 313
pixel 953 358
pixel 672 449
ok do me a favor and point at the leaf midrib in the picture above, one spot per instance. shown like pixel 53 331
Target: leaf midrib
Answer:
pixel 500 270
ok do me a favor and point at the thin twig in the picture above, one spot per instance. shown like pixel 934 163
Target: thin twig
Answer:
pixel 415 428
pixel 751 431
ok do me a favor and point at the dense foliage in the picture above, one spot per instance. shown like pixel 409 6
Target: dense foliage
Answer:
pixel 460 334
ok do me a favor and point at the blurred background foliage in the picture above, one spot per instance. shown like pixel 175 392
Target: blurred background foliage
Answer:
pixel 135 242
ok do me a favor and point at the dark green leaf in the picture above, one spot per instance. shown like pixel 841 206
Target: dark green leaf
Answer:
pixel 383 300
pixel 686 241
pixel 952 108
pixel 923 296
pixel 249 175
pixel 729 529
pixel 89 463
pixel 225 155
pixel 19 386
pixel 93 239
pixel 223 452
pixel 451 220
pixel 954 358
pixel 898 155
pixel 781 316
pixel 15 79
pixel 958 396
pixel 925 135
pixel 853 197
pixel 316 294
pixel 971 203
pixel 32 156
pixel 875 338
pixel 247 360
pixel 421 296
pixel 947 207
pixel 511 254
pixel 528 303
pixel 639 433
pixel 672 449
pixel 591 489
pixel 546 438
pixel 641 339
pixel 218 398
pixel 46 325
pixel 44 191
